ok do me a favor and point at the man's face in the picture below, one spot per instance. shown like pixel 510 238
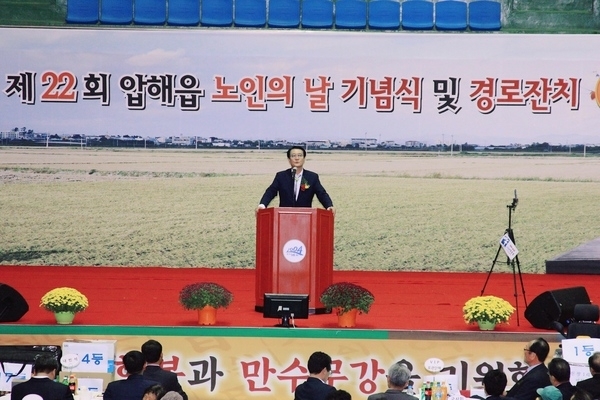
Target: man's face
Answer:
pixel 296 158
pixel 527 354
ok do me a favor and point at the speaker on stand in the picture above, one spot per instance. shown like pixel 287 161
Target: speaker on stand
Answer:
pixel 12 305
pixel 555 306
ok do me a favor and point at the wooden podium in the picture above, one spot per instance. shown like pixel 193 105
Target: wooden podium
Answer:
pixel 294 253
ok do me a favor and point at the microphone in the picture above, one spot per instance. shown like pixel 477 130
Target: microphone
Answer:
pixel 293 172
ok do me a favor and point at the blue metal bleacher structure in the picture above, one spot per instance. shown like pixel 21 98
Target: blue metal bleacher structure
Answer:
pixel 116 12
pixel 417 15
pixel 317 14
pixel 183 12
pixel 351 14
pixel 149 12
pixel 485 15
pixel 451 15
pixel 384 14
pixel 216 13
pixel 251 13
pixel 284 13
pixel 83 11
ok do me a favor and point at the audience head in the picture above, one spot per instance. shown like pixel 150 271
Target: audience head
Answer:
pixel 45 364
pixel 154 392
pixel 134 362
pixel 338 395
pixel 559 369
pixel 152 350
pixel 494 382
pixel 580 394
pixel 172 396
pixel 549 393
pixel 536 351
pixel 594 363
pixel 398 375
pixel 317 361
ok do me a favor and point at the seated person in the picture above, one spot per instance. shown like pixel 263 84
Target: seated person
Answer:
pixel 42 382
pixel 134 387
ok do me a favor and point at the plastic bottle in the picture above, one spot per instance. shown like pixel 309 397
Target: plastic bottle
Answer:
pixel 65 380
pixel 73 384
pixel 428 391
pixel 444 391
pixel 437 391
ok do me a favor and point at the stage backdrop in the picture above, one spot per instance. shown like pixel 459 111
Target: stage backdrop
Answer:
pixel 298 85
pixel 268 363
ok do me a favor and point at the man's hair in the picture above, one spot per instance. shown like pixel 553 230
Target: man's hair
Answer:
pixel 399 374
pixel 317 361
pixel 45 363
pixel 594 362
pixel 338 395
pixel 297 148
pixel 494 382
pixel 157 390
pixel 541 348
pixel 580 394
pixel 134 362
pixel 559 368
pixel 152 351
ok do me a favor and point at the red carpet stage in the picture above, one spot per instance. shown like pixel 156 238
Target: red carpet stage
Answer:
pixel 145 296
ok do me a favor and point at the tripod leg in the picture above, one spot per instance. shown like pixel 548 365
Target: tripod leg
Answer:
pixel 521 279
pixel 512 263
pixel 491 269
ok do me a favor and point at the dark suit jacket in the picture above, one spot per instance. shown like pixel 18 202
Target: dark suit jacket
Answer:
pixel 44 387
pixel 131 388
pixel 567 390
pixel 313 389
pixel 283 184
pixel 525 388
pixel 591 385
pixel 391 394
pixel 167 379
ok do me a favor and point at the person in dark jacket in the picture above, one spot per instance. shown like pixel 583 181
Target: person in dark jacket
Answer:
pixel 536 376
pixel 135 385
pixel 592 385
pixel 42 382
pixel 153 352
pixel 316 387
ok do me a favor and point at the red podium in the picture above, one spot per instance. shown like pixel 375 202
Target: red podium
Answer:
pixel 294 253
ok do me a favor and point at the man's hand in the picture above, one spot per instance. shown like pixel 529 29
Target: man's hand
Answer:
pixel 260 207
pixel 332 209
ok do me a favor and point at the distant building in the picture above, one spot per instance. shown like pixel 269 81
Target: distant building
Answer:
pixel 318 144
pixel 362 143
pixel 414 144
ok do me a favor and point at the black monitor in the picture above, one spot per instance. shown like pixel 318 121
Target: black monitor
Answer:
pixel 285 307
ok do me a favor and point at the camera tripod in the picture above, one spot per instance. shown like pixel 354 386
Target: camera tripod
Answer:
pixel 514 263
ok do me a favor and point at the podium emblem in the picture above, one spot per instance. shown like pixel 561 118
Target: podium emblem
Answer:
pixel 294 250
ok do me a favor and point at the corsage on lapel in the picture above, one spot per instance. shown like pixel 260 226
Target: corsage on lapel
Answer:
pixel 304 185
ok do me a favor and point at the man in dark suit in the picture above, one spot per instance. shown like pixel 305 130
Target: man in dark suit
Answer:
pixel 559 371
pixel 316 387
pixel 536 376
pixel 153 352
pixel 397 380
pixel 134 386
pixel 494 383
pixel 296 186
pixel 592 385
pixel 42 382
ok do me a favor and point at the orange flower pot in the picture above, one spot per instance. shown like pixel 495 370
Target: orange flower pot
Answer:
pixel 207 315
pixel 348 319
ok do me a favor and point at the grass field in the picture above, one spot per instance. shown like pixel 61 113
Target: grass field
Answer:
pixel 395 211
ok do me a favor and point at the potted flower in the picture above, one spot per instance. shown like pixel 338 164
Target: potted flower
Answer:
pixel 487 311
pixel 64 302
pixel 347 299
pixel 205 297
